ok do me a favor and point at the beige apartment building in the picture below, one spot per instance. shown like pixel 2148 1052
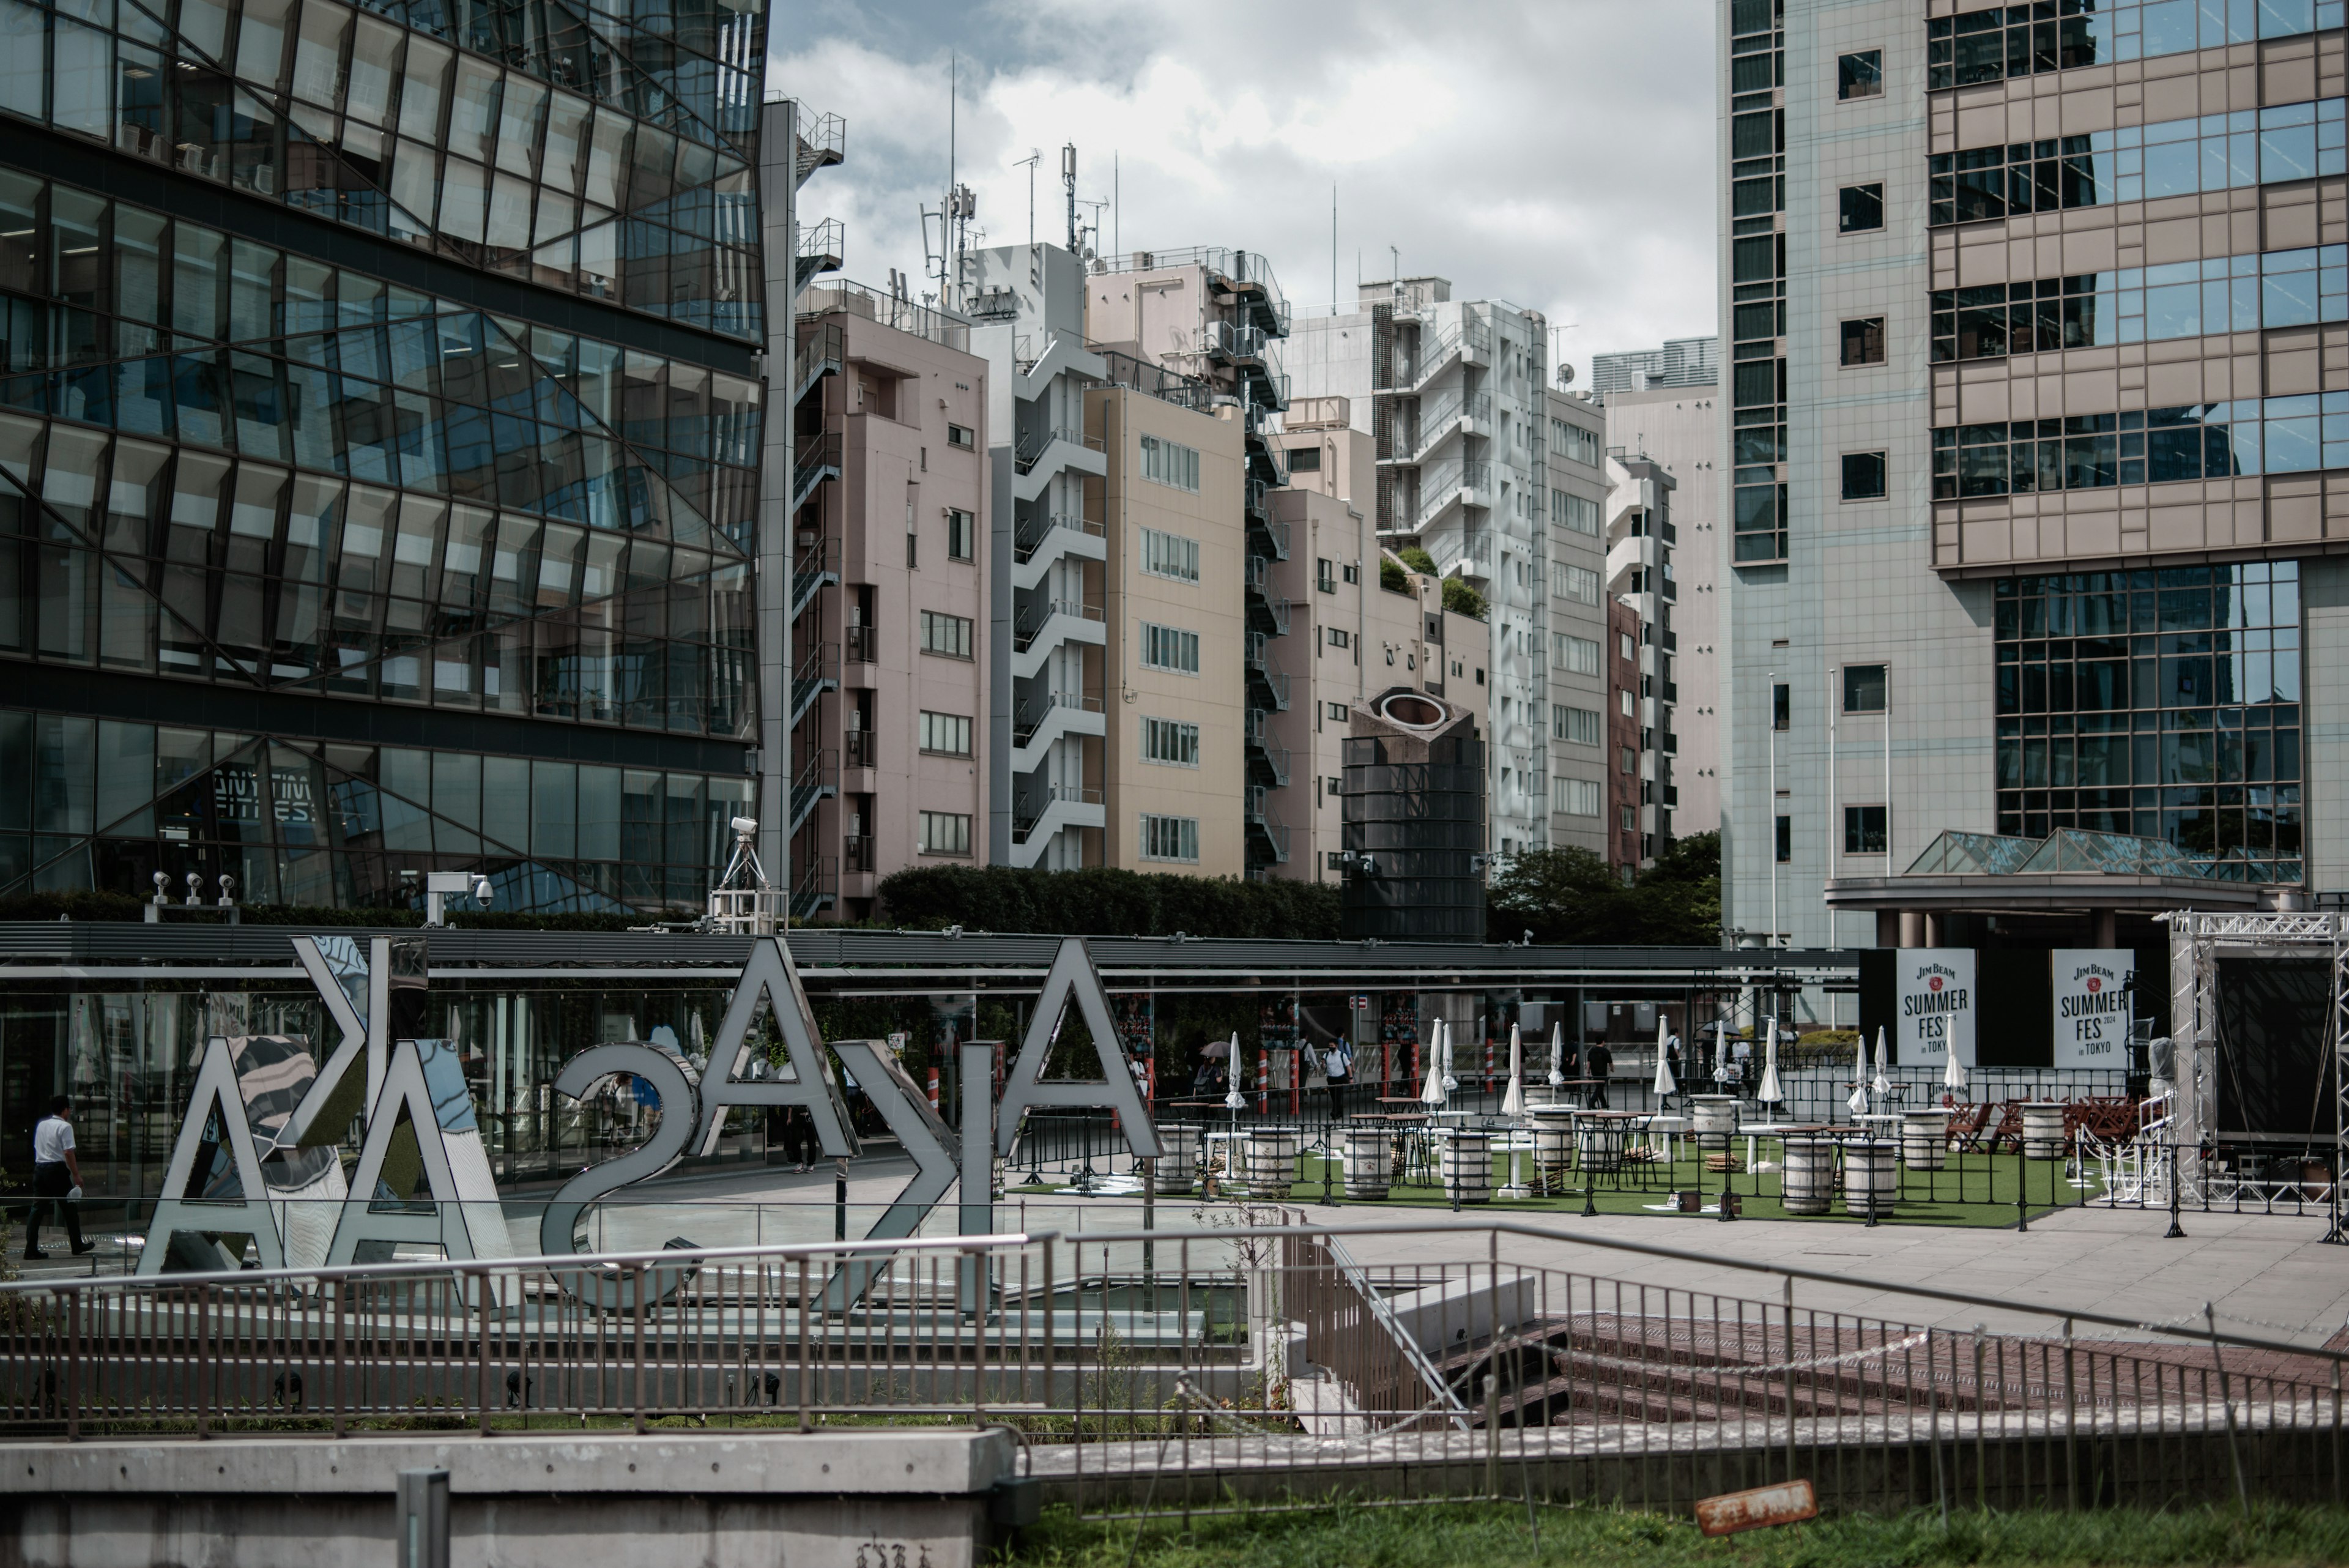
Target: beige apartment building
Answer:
pixel 1355 637
pixel 890 593
pixel 1174 779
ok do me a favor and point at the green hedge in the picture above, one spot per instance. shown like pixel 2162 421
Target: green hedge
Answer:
pixel 1102 901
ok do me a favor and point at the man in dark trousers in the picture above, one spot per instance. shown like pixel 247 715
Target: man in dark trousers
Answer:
pixel 1599 1061
pixel 56 1172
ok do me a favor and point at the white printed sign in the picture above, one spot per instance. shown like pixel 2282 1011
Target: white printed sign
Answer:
pixel 1936 1007
pixel 2092 1005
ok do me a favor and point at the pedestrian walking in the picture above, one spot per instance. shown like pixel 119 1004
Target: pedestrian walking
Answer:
pixel 57 1179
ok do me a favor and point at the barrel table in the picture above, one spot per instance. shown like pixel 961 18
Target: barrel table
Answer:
pixel 1369 1162
pixel 1178 1159
pixel 1468 1168
pixel 1271 1162
pixel 1869 1167
pixel 1808 1184
pixel 1925 1139
pixel 2042 1130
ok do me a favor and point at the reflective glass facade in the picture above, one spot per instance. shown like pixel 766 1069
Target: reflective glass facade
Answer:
pixel 403 543
pixel 601 150
pixel 2002 41
pixel 2165 704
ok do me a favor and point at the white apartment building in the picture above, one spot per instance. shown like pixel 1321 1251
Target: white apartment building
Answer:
pixel 1579 595
pixel 1047 632
pixel 1674 427
pixel 1453 391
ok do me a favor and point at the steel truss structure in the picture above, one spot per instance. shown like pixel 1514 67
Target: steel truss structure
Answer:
pixel 2196 942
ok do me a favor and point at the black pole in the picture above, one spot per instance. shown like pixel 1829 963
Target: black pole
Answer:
pixel 2175 1232
pixel 1728 1160
pixel 1871 1177
pixel 840 1201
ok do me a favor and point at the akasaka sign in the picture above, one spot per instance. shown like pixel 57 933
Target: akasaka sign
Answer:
pixel 256 1152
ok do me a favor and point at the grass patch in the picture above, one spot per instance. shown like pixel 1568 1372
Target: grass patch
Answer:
pixel 1493 1535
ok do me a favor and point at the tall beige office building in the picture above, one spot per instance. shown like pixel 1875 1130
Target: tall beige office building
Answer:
pixel 2035 323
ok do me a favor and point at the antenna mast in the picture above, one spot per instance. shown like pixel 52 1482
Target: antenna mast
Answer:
pixel 1068 180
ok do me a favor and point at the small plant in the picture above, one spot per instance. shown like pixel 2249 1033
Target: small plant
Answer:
pixel 1459 598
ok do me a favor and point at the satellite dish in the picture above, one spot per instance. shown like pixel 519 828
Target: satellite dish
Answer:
pixel 1565 375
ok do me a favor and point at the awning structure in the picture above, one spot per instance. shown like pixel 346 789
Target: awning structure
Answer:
pixel 2071 869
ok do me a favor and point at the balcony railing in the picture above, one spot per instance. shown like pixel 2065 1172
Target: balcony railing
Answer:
pixel 1034 530
pixel 1032 713
pixel 857 856
pixel 1033 444
pixel 1167 386
pixel 823 141
pixel 858 644
pixel 1030 812
pixel 944 327
pixel 818 463
pixel 860 749
pixel 1024 631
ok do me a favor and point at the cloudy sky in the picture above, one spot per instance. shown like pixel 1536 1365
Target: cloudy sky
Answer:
pixel 1554 153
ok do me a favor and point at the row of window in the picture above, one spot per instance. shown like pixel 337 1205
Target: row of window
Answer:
pixel 1576 443
pixel 1170 464
pixel 1579 797
pixel 1170 647
pixel 949 635
pixel 2003 41
pixel 1169 837
pixel 1575 655
pixel 2137 163
pixel 573 197
pixel 2298 434
pixel 2135 304
pixel 1867 830
pixel 1170 555
pixel 1577 514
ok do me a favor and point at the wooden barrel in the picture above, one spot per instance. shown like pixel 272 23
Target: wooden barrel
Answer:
pixel 1271 1162
pixel 1599 1145
pixel 1369 1161
pixel 1869 1167
pixel 1807 1186
pixel 1924 1140
pixel 2042 1130
pixel 1716 1116
pixel 1468 1168
pixel 1553 1157
pixel 1178 1160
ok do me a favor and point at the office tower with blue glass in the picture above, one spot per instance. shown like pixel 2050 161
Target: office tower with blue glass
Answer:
pixel 2037 435
pixel 378 447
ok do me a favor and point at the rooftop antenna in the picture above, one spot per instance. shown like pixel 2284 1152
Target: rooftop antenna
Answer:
pixel 1034 156
pixel 1092 231
pixel 1068 180
pixel 1116 239
pixel 1333 248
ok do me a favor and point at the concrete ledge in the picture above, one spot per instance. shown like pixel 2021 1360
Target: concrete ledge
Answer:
pixel 720 1499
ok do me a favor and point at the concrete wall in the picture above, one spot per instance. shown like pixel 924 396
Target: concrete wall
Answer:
pixel 516 1500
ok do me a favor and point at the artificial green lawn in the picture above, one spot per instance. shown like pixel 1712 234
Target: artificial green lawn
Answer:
pixel 1496 1535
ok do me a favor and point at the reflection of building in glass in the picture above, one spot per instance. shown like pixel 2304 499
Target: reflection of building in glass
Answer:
pixel 417 540
pixel 2162 704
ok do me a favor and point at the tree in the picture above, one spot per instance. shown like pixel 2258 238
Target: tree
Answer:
pixel 1461 600
pixel 1572 898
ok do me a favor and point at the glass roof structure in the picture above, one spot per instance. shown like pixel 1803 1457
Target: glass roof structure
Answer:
pixel 2068 851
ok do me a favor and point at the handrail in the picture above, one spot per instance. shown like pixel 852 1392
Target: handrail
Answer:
pixel 1031 450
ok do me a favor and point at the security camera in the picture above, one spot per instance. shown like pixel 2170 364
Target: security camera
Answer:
pixel 482 891
pixel 744 826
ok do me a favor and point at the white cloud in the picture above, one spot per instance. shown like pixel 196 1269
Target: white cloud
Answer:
pixel 1557 154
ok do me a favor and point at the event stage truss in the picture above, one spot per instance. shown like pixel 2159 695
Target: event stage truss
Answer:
pixel 2196 942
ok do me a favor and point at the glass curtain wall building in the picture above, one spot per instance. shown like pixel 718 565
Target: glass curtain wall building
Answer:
pixel 380 421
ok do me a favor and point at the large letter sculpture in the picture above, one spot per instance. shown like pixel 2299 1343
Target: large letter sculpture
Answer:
pixel 680 1107
pixel 1073 973
pixel 908 1111
pixel 213 1187
pixel 423 1127
pixel 772 977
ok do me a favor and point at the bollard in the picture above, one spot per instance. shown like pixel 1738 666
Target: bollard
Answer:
pixel 2176 1232
pixel 420 1525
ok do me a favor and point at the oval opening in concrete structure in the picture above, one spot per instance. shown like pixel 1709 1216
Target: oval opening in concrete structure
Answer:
pixel 1411 712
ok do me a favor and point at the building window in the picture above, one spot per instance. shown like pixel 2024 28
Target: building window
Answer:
pixel 1574 443
pixel 1170 464
pixel 961 436
pixel 1579 797
pixel 1863 476
pixel 1339 637
pixel 1170 647
pixel 1631 820
pixel 949 735
pixel 2165 703
pixel 1304 459
pixel 1170 555
pixel 1575 655
pixel 1782 707
pixel 1170 743
pixel 1786 846
pixel 1351 571
pixel 946 833
pixel 2245 293
pixel 1860 208
pixel 1863 341
pixel 1863 687
pixel 2005 41
pixel 1631 759
pixel 1333 860
pixel 1580 584
pixel 1334 711
pixel 949 635
pixel 1577 514
pixel 962 533
pixel 1330 786
pixel 1859 75
pixel 1576 726
pixel 1325 576
pixel 1863 830
pixel 1169 837
pixel 1623 700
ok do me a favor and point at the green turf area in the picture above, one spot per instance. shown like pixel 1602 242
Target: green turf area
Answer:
pixel 1980 1192
pixel 1495 1535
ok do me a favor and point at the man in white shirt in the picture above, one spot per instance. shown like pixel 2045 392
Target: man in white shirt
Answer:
pixel 56 1171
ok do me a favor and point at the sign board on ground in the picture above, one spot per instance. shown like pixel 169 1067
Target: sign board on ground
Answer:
pixel 1789 1502
pixel 2092 1000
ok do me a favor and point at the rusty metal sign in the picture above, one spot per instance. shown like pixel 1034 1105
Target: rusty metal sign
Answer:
pixel 1790 1502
